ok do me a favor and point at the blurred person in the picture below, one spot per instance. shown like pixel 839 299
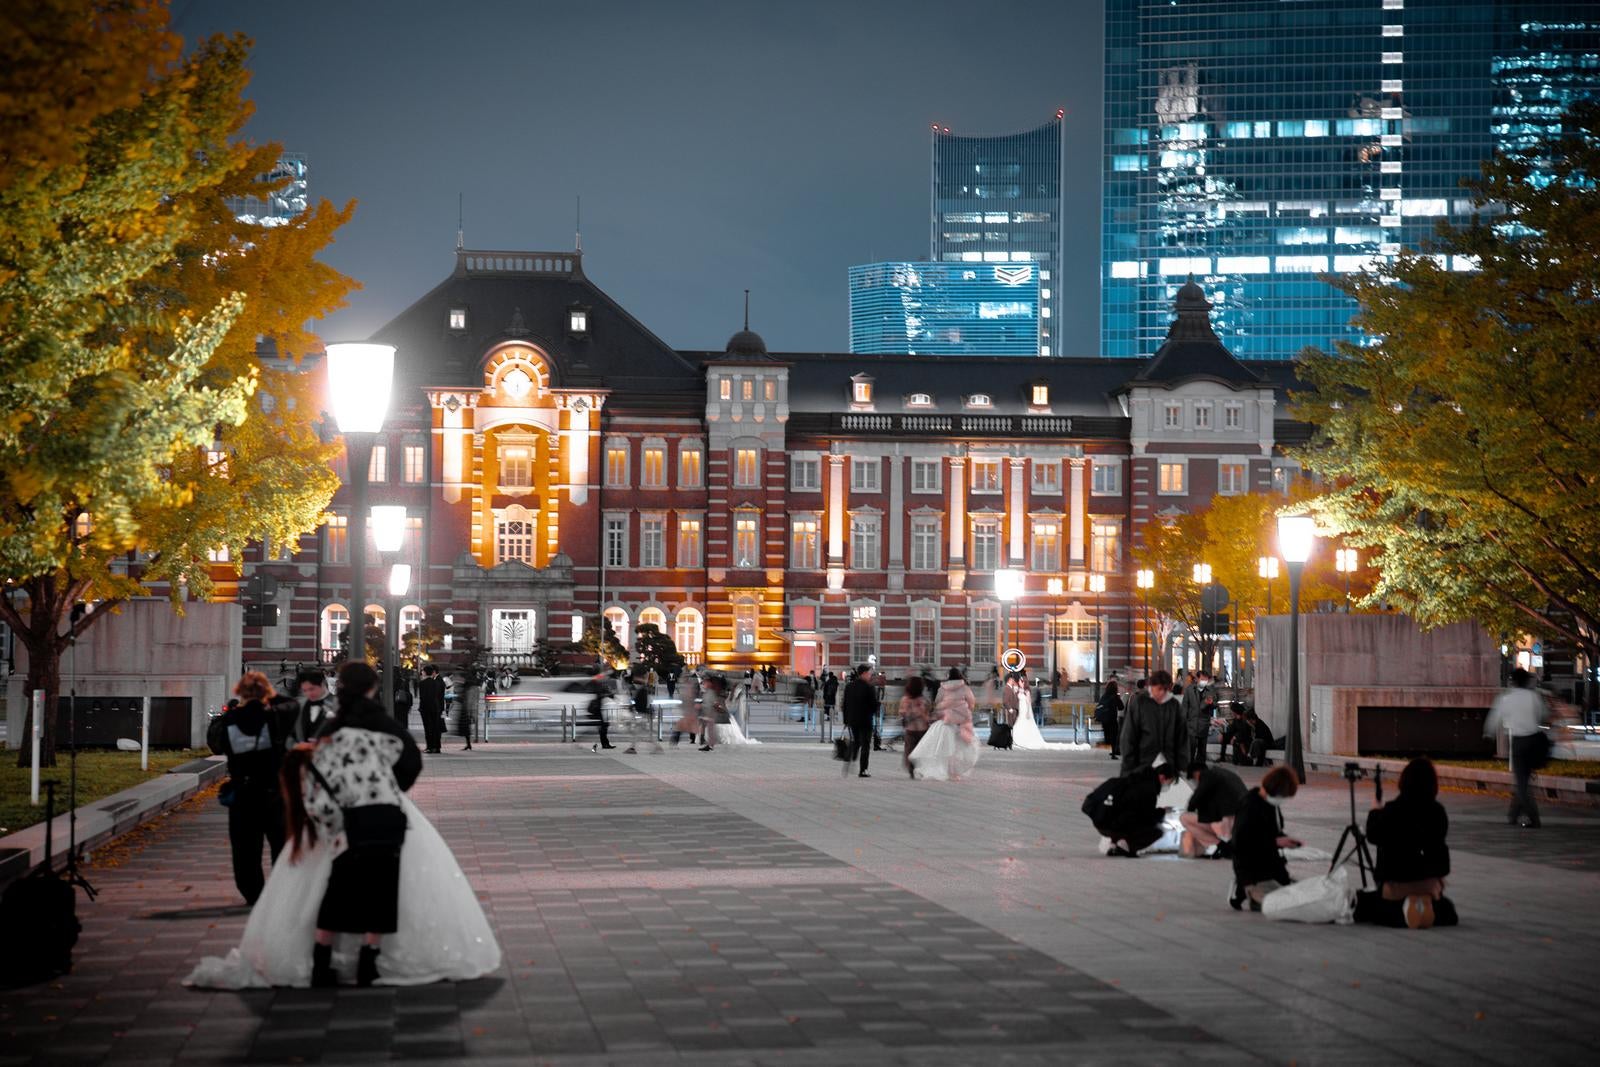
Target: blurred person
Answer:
pixel 253 734
pixel 1259 840
pixel 949 750
pixel 914 718
pixel 1521 711
pixel 713 709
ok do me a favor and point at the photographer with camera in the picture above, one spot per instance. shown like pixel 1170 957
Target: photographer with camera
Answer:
pixel 1413 859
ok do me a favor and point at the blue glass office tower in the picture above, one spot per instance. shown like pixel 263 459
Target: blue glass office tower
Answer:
pixel 998 200
pixel 945 309
pixel 1261 144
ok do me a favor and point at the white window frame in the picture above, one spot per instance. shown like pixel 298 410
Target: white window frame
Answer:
pixel 921 466
pixel 925 650
pixel 1202 416
pixel 866 474
pixel 1104 559
pixel 746 467
pixel 1039 395
pixel 1045 555
pixel 1053 465
pixel 527 539
pixel 621 624
pixel 652 540
pixel 614 538
pixel 992 559
pixel 805 541
pixel 506 466
pixel 927 555
pixel 866 532
pixel 688 630
pixel 746 625
pixel 657 446
pixel 986 464
pixel 690 537
pixel 458 318
pixel 805 473
pixel 336 538
pixel 696 478
pixel 1172 417
pixel 377 465
pixel 1233 416
pixel 413 473
pixel 1113 478
pixel 1162 485
pixel 332 623
pixel 1227 486
pixel 985 619
pixel 617 478
pixel 864 631
pixel 746 523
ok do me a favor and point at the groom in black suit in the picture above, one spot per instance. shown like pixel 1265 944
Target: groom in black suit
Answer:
pixel 430 694
pixel 860 710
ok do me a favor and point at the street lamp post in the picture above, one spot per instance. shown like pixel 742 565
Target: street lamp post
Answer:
pixel 388 534
pixel 1146 580
pixel 1345 561
pixel 1008 587
pixel 1097 585
pixel 1202 578
pixel 359 379
pixel 399 582
pixel 1296 536
pixel 1267 568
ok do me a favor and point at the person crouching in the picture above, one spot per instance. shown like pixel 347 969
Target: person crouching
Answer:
pixel 1126 811
pixel 361 764
pixel 1258 840
pixel 1213 806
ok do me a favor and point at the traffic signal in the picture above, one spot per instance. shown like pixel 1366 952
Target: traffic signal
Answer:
pixel 262 615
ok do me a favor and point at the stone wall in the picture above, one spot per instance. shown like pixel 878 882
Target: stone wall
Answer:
pixel 147 650
pixel 1348 660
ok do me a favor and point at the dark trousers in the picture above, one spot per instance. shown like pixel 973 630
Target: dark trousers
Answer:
pixel 1108 727
pixel 253 820
pixel 1523 752
pixel 860 741
pixel 1197 750
pixel 432 730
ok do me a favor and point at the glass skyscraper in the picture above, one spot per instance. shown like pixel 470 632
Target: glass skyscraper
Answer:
pixel 945 309
pixel 998 200
pixel 1260 144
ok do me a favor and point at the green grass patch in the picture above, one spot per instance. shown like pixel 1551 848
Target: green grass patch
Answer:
pixel 100 773
pixel 1561 768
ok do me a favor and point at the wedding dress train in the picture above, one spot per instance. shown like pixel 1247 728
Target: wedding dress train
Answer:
pixel 1025 732
pixel 442 935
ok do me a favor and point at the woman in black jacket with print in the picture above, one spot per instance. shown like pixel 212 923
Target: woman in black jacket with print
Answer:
pixel 1413 860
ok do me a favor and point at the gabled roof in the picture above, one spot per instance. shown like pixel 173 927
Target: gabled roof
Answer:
pixel 527 296
pixel 1192 349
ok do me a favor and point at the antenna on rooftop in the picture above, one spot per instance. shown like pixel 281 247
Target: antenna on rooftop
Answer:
pixel 579 229
pixel 461 236
pixel 747 309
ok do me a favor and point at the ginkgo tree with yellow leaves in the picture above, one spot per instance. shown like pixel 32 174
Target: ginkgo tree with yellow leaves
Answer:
pixel 1231 534
pixel 133 412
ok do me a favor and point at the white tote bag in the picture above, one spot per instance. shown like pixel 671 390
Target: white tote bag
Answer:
pixel 1324 899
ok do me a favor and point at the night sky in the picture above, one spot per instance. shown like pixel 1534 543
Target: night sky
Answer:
pixel 716 146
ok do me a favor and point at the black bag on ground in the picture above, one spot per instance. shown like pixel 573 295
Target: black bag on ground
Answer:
pixel 39 913
pixel 1000 735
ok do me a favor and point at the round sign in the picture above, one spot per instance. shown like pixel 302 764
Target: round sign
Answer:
pixel 1213 598
pixel 1013 659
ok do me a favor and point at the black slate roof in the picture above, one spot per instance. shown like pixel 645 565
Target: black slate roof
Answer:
pixel 527 296
pixel 1192 349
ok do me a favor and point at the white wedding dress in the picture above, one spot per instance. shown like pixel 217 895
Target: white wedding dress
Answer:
pixel 442 935
pixel 730 732
pixel 1025 732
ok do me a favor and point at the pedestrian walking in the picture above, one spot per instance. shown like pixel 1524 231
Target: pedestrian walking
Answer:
pixel 643 718
pixel 430 694
pixel 914 718
pixel 949 750
pixel 253 735
pixel 1521 711
pixel 599 689
pixel 830 692
pixel 688 712
pixel 713 710
pixel 1107 712
pixel 1154 726
pixel 860 709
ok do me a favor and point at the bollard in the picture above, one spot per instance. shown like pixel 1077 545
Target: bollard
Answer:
pixel 144 733
pixel 38 713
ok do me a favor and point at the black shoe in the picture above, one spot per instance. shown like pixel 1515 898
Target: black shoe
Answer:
pixel 367 965
pixel 1236 897
pixel 608 746
pixel 1224 851
pixel 863 774
pixel 705 748
pixel 323 976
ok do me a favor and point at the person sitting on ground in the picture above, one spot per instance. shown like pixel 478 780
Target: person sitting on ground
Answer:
pixel 1261 739
pixel 1258 839
pixel 1413 859
pixel 1127 812
pixel 1208 823
pixel 1237 737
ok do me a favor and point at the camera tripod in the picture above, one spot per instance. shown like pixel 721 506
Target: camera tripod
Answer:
pixel 1352 835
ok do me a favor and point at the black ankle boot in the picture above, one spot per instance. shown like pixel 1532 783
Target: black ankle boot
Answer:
pixel 367 965
pixel 323 976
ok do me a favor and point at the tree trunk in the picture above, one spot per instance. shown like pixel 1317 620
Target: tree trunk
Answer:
pixel 44 672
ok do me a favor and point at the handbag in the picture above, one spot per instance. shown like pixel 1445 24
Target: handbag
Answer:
pixel 841 750
pixel 1325 899
pixel 226 794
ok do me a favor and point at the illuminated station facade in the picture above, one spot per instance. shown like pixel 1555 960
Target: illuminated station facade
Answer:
pixel 558 461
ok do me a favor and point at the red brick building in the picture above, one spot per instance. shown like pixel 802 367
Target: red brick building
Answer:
pixel 558 460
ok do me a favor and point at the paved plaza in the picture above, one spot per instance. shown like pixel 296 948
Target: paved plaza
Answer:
pixel 752 906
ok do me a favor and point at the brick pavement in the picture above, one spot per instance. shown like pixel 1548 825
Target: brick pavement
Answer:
pixel 749 906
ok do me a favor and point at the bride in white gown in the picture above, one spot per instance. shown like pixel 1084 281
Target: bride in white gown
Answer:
pixel 731 732
pixel 949 750
pixel 1025 732
pixel 442 933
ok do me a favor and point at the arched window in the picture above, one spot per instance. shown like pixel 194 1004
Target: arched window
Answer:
pixel 620 625
pixel 377 617
pixel 653 617
pixel 335 621
pixel 687 631
pixel 745 626
pixel 411 620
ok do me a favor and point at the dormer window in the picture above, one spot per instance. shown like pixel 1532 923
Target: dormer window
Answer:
pixel 725 388
pixel 861 389
pixel 979 400
pixel 577 320
pixel 1040 395
pixel 919 400
pixel 458 318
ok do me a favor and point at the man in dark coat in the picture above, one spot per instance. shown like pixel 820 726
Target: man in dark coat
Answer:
pixel 830 692
pixel 430 694
pixel 317 705
pixel 599 689
pixel 860 709
pixel 1153 726
pixel 1126 811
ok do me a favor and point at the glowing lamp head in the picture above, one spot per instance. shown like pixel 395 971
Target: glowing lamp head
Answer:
pixel 1202 573
pixel 1008 584
pixel 1267 567
pixel 359 377
pixel 399 579
pixel 1296 535
pixel 388 527
pixel 1145 578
